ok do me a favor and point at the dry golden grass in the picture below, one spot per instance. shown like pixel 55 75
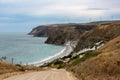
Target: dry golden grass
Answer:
pixel 112 46
pixel 7 69
pixel 105 66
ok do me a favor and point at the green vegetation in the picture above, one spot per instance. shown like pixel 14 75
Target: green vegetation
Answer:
pixel 55 64
pixel 58 63
pixel 86 56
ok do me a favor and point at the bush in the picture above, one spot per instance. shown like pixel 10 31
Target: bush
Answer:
pixel 22 69
pixel 85 57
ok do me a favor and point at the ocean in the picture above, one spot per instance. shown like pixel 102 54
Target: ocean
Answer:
pixel 21 48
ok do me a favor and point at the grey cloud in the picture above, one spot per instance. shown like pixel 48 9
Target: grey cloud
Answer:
pixel 97 9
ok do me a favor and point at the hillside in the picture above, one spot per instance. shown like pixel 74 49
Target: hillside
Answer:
pixel 75 32
pixel 105 66
pixel 55 32
pixel 102 64
pixel 103 32
pixel 47 30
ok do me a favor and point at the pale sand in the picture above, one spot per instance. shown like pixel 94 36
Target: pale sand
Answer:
pixel 53 74
pixel 67 51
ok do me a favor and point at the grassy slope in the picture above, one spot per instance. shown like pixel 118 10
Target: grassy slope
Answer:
pixel 105 66
pixel 103 32
pixel 7 67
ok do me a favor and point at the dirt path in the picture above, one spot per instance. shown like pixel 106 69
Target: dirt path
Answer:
pixel 44 75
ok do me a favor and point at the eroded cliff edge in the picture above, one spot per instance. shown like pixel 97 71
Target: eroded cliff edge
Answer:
pixel 61 33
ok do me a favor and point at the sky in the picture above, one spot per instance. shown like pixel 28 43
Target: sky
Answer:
pixel 23 15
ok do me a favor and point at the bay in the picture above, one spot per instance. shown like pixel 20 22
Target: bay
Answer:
pixel 26 49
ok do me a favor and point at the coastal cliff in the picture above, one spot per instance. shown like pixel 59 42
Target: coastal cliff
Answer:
pixel 102 33
pixel 61 33
pixel 85 33
pixel 103 63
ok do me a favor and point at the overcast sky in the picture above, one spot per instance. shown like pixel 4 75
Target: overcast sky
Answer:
pixel 23 15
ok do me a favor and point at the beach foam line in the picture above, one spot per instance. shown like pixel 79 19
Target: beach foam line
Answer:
pixel 49 59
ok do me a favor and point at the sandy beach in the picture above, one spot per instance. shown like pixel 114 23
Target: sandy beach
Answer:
pixel 66 51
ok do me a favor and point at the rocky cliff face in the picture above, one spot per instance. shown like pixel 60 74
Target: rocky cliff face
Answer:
pixel 60 33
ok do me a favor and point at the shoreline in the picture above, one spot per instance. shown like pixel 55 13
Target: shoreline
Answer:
pixel 66 51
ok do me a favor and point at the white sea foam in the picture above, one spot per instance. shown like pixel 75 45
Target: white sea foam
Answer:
pixel 66 51
pixel 50 58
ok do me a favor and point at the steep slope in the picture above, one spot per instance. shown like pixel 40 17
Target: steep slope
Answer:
pixel 103 32
pixel 47 30
pixel 69 33
pixel 105 66
pixel 60 33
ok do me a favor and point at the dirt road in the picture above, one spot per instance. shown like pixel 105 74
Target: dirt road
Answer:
pixel 44 75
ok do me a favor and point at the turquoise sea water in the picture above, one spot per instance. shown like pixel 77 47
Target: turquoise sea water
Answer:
pixel 25 49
